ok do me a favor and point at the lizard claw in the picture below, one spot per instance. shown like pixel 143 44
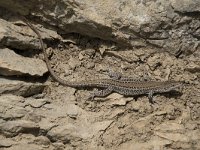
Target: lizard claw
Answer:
pixel 114 75
pixel 92 94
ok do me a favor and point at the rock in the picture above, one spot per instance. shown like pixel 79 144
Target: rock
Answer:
pixel 186 6
pixel 33 116
pixel 73 132
pixel 90 65
pixel 42 140
pixel 193 67
pixel 17 87
pixel 14 64
pixel 170 127
pixel 154 62
pixel 36 103
pixel 177 137
pixel 8 99
pixel 132 23
pixel 14 37
pixel 136 106
pixel 14 113
pixel 58 145
pixel 74 63
pixel 66 133
pixel 25 146
pixel 154 143
pixel 5 143
pixel 22 37
pixel 118 100
pixel 12 107
pixel 13 128
pixel 194 135
pixel 150 28
pixel 172 131
pixel 73 110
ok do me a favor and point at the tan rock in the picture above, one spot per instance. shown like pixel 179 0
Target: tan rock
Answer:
pixel 22 88
pixel 14 64
pixel 12 128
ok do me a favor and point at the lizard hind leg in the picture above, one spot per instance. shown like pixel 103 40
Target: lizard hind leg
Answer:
pixel 114 75
pixel 100 93
pixel 150 96
pixel 119 76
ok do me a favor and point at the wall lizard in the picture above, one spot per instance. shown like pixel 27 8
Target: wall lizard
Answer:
pixel 124 86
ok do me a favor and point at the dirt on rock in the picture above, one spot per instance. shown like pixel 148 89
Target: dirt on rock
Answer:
pixel 36 112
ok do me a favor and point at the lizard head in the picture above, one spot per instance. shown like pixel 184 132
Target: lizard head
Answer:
pixel 173 85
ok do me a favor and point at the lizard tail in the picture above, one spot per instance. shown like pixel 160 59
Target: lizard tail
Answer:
pixel 53 74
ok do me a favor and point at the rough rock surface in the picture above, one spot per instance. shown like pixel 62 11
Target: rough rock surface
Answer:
pixel 22 88
pixel 19 65
pixel 170 25
pixel 85 40
pixel 15 35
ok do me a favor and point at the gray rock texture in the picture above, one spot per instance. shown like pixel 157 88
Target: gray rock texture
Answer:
pixel 22 88
pixel 14 64
pixel 158 24
pixel 85 39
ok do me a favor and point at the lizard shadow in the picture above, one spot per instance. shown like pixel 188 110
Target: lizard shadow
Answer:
pixel 175 94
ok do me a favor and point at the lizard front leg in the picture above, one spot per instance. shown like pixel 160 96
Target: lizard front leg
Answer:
pixel 101 93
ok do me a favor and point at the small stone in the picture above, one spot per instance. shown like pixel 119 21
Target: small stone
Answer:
pixel 89 52
pixel 192 67
pixel 6 143
pixel 135 106
pixel 102 49
pixel 74 63
pixel 80 56
pixel 46 125
pixel 90 65
pixel 71 45
pixel 72 110
pixel 42 140
pixel 59 145
pixel 33 116
pixel 100 67
pixel 36 103
pixel 118 100
pixel 154 62
pixel 65 133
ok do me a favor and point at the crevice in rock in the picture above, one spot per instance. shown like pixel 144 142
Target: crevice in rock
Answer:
pixel 194 14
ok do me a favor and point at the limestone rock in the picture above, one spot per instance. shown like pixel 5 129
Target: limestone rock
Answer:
pixel 130 23
pixel 14 64
pixel 5 143
pixel 186 6
pixel 14 37
pixel 22 88
pixel 12 128
pixel 75 132
pixel 21 37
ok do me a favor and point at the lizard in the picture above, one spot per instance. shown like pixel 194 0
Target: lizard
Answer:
pixel 124 86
